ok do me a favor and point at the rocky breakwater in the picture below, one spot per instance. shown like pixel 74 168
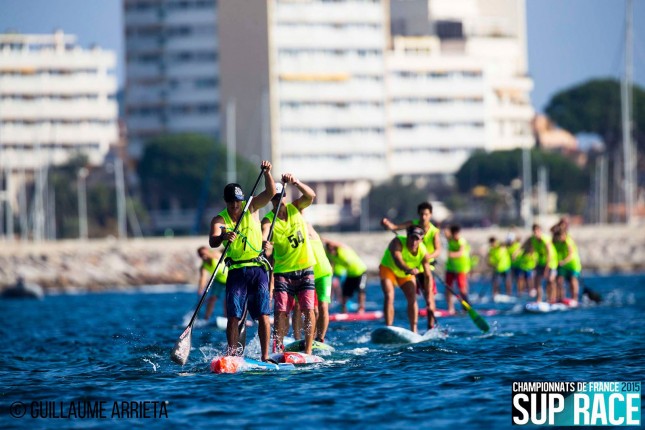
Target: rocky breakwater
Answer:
pixel 97 265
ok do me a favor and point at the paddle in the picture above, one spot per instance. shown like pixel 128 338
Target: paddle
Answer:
pixel 479 321
pixel 594 296
pixel 181 350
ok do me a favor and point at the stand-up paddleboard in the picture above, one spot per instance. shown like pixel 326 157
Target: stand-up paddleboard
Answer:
pixel 289 357
pixel 357 316
pixel 443 313
pixel 396 335
pixel 504 298
pixel 544 307
pixel 299 346
pixel 236 364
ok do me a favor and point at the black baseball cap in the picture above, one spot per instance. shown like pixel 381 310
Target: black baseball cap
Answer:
pixel 233 193
pixel 415 230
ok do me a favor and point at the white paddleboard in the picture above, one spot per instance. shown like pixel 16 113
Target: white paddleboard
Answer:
pixel 399 335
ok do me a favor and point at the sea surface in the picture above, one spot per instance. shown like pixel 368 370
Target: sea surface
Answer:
pixel 111 350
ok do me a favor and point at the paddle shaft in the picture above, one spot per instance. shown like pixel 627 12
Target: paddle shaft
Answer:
pixel 237 225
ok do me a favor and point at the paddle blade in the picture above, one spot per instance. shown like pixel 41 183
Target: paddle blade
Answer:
pixel 181 351
pixel 479 321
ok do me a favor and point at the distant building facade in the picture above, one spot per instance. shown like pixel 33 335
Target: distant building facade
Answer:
pixel 346 94
pixel 56 99
pixel 458 82
pixel 172 78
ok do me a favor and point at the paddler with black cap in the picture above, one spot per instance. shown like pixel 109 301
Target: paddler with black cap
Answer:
pixel 247 282
pixel 294 260
pixel 403 259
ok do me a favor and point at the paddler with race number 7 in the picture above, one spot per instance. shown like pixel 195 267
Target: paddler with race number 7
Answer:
pixel 247 283
pixel 294 260
pixel 403 259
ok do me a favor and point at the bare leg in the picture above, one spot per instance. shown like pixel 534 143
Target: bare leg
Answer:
pixel 508 279
pixel 573 282
pixel 322 320
pixel 232 336
pixel 388 301
pixel 538 284
pixel 280 321
pixel 264 332
pixel 495 284
pixel 430 305
pixel 210 306
pixel 309 329
pixel 410 291
pixel 361 301
pixel 296 322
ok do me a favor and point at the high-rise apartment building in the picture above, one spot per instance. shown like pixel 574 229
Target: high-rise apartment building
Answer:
pixel 308 82
pixel 458 82
pixel 348 93
pixel 56 100
pixel 172 74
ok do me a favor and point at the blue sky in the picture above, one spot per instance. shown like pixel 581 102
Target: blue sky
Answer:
pixel 569 41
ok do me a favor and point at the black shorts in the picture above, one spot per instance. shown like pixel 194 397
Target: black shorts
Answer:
pixel 353 284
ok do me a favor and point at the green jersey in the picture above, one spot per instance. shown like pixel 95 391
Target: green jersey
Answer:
pixel 248 243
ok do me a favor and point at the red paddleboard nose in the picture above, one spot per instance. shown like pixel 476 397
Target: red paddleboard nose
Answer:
pixel 226 364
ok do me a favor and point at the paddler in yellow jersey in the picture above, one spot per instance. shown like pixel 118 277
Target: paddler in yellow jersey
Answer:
pixel 431 237
pixel 457 264
pixel 403 259
pixel 248 280
pixel 499 261
pixel 569 266
pixel 294 260
pixel 209 261
pixel 547 265
pixel 345 260
pixel 323 274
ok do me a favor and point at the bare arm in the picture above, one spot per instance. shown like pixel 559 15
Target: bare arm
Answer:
pixel 308 194
pixel 437 246
pixel 217 234
pixel 427 271
pixel 266 226
pixel 262 199
pixel 392 226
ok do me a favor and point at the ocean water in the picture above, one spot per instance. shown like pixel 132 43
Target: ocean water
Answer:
pixel 99 349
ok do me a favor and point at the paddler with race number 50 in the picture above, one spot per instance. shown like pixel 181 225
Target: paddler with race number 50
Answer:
pixel 294 259
pixel 248 281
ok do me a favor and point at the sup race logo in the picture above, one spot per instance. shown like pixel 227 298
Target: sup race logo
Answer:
pixel 577 403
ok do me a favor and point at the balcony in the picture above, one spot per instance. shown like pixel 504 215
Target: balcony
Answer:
pixel 58 109
pixel 332 118
pixel 338 13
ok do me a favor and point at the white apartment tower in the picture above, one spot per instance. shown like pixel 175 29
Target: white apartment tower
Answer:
pixel 457 82
pixel 56 100
pixel 171 69
pixel 308 82
pixel 348 93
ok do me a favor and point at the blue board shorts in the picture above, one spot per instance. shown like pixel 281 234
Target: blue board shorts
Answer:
pixel 248 285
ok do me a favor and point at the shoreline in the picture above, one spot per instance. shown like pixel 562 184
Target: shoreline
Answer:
pixel 117 265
